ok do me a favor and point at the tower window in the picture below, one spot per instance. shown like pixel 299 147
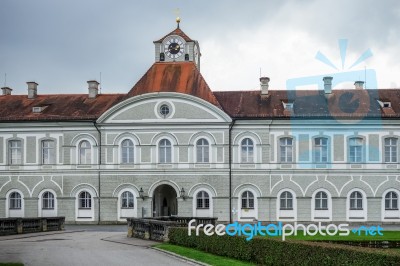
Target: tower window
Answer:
pixel 186 57
pixel 162 57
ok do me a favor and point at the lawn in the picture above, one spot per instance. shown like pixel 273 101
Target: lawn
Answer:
pixel 202 256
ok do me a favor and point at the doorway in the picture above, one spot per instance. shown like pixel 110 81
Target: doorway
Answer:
pixel 165 201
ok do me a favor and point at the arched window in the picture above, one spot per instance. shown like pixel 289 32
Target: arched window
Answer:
pixel 15 151
pixel 320 150
pixel 391 201
pixel 286 201
pixel 321 201
pixel 127 200
pixel 286 150
pixel 203 151
pixel 356 150
pixel 247 151
pixel 15 200
pixel 127 151
pixel 390 150
pixel 48 152
pixel 165 151
pixel 85 200
pixel 48 200
pixel 247 200
pixel 203 200
pixel 85 152
pixel 356 201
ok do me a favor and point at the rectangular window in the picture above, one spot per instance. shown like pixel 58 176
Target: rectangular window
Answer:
pixel 356 150
pixel 286 149
pixel 390 150
pixel 321 150
pixel 48 152
pixel 15 152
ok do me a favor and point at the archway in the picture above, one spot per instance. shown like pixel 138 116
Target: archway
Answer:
pixel 165 201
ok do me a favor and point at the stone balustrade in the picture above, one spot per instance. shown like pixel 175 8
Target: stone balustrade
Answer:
pixel 157 228
pixel 11 226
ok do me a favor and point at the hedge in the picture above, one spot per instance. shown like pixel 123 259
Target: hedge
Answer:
pixel 267 251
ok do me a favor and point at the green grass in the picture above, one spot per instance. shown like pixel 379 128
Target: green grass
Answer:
pixel 201 256
pixel 11 264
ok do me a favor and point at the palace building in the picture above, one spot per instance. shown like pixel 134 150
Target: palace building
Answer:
pixel 173 146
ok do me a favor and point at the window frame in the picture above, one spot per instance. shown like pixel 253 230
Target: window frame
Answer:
pixel 247 150
pixel 47 200
pixel 284 196
pixel 356 199
pixel 283 149
pixel 202 197
pixel 87 154
pixel 18 149
pixel 129 197
pixel 204 150
pixel 247 201
pixel 359 148
pixel 130 154
pixel 15 203
pixel 86 199
pixel 392 149
pixel 320 149
pixel 50 151
pixel 319 201
pixel 391 199
pixel 165 150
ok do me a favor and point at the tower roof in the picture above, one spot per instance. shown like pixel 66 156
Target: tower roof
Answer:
pixel 178 32
pixel 181 77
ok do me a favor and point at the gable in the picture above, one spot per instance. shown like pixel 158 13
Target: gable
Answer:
pixel 181 108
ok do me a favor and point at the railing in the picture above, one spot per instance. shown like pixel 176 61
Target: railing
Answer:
pixel 157 228
pixel 11 226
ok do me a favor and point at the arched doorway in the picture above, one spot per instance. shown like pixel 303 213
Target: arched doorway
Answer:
pixel 165 201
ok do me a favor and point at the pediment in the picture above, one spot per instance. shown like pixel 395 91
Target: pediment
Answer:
pixel 180 108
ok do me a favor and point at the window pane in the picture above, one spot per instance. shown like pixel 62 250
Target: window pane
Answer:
pixel 48 152
pixel 15 152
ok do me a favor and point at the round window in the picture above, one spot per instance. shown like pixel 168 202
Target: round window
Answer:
pixel 164 110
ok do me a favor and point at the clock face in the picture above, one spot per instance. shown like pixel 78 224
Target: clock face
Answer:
pixel 174 47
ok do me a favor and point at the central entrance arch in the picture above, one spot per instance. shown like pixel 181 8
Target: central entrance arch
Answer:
pixel 165 201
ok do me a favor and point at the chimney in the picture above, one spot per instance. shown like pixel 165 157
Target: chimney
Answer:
pixel 327 85
pixel 93 89
pixel 264 85
pixel 32 89
pixel 6 90
pixel 359 85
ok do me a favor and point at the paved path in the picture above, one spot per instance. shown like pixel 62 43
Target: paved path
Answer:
pixel 89 247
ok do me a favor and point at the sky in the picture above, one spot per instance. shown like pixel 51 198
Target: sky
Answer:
pixel 63 44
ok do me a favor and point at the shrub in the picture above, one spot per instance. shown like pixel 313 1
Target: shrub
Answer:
pixel 267 251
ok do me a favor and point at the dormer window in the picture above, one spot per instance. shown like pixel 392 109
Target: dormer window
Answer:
pixel 385 104
pixel 288 105
pixel 38 109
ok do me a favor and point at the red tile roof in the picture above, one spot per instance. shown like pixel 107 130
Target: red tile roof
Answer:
pixel 178 32
pixel 310 103
pixel 182 77
pixel 59 107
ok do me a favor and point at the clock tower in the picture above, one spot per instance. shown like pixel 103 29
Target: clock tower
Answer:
pixel 177 47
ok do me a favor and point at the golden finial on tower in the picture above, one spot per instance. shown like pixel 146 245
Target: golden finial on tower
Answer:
pixel 178 19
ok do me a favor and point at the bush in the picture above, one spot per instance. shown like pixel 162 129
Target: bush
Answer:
pixel 267 251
